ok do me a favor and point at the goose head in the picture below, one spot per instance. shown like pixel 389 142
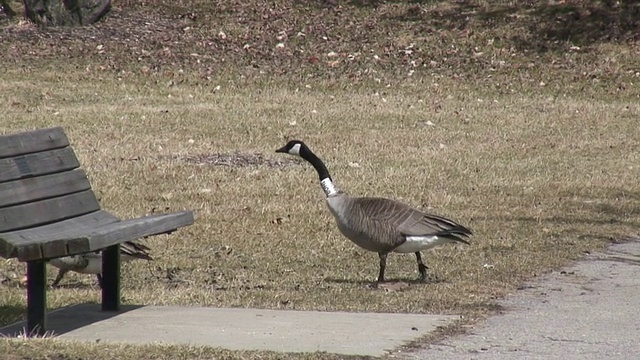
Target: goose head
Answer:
pixel 298 148
pixel 295 147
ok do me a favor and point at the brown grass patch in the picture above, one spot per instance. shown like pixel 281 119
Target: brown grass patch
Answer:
pixel 236 159
pixel 53 349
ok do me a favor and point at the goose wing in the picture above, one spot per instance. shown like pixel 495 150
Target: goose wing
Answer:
pixel 408 221
pixel 73 262
pixel 135 250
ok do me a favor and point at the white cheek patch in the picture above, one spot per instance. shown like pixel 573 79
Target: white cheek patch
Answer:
pixel 295 150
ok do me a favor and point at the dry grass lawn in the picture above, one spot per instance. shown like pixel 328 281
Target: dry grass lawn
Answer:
pixel 541 176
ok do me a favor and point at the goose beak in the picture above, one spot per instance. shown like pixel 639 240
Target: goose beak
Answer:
pixel 282 150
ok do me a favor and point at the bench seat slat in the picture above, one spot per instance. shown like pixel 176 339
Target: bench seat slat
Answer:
pixel 33 141
pixel 65 229
pixel 98 238
pixel 132 229
pixel 36 164
pixel 45 211
pixel 43 187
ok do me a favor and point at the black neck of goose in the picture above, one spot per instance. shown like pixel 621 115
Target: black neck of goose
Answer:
pixel 323 173
pixel 321 168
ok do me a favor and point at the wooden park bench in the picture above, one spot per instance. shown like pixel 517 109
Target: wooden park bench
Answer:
pixel 48 210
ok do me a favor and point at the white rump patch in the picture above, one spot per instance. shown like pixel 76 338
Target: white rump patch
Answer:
pixel 420 243
pixel 295 150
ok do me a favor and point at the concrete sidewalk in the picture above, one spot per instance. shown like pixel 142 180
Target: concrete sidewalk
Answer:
pixel 588 311
pixel 371 334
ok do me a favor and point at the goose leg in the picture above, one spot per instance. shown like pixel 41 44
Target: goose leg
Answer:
pixel 422 268
pixel 59 277
pixel 383 265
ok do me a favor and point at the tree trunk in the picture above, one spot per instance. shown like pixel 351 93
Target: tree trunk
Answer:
pixel 66 12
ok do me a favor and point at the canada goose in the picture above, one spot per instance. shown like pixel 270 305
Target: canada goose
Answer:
pixel 378 224
pixel 91 263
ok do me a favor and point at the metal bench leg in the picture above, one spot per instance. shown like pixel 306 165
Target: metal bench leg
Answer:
pixel 111 278
pixel 36 297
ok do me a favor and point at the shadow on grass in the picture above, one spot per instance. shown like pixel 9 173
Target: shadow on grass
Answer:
pixel 561 220
pixel 617 255
pixel 389 281
pixel 545 26
pixel 606 210
pixel 9 314
pixel 349 281
pixel 376 3
pixel 64 320
pixel 605 207
pixel 621 259
pixel 578 234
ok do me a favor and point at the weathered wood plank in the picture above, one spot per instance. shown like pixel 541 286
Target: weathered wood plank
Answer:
pixel 32 141
pixel 127 230
pixel 74 242
pixel 45 211
pixel 43 187
pixel 117 232
pixel 36 164
pixel 56 232
pixel 78 225
pixel 57 247
pixel 31 251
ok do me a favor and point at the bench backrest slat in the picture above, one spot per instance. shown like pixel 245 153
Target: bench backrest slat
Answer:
pixel 47 211
pixel 36 164
pixel 32 141
pixel 66 231
pixel 42 187
pixel 40 180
